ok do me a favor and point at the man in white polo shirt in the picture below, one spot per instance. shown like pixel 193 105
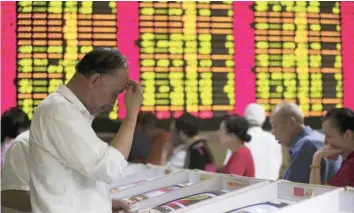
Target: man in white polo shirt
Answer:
pixel 15 178
pixel 70 167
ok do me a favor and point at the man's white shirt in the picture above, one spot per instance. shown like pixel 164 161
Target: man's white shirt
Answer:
pixel 266 153
pixel 15 174
pixel 70 167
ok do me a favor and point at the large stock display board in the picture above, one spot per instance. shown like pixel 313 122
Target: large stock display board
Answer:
pixel 208 58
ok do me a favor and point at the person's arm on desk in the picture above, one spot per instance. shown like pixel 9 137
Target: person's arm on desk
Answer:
pixel 132 100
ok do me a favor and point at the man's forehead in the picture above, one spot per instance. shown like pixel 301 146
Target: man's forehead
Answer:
pixel 276 117
pixel 118 76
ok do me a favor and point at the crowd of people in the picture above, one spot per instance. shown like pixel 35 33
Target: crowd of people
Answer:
pixel 57 163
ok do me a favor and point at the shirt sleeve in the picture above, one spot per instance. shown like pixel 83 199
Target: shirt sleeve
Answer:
pixel 77 146
pixel 299 170
pixel 15 174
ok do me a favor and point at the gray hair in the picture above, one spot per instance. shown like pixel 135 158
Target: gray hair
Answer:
pixel 288 109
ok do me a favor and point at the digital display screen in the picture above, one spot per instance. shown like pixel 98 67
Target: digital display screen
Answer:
pixel 51 37
pixel 208 58
pixel 186 57
pixel 298 55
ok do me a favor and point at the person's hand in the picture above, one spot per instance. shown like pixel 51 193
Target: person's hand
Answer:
pixel 326 152
pixel 133 97
pixel 120 205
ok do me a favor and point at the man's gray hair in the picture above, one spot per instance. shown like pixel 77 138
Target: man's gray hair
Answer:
pixel 289 109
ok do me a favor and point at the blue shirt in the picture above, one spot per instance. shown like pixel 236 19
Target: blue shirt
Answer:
pixel 303 147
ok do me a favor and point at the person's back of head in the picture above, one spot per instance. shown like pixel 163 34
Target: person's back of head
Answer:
pixel 255 114
pixel 238 126
pixel 187 124
pixel 13 122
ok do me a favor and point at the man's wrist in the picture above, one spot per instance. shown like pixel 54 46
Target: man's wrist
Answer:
pixel 131 115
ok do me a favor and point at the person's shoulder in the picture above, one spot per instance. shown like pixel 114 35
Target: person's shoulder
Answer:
pixel 53 98
pixel 309 144
pixel 55 104
pixel 20 144
pixel 23 138
pixel 315 136
pixel 244 151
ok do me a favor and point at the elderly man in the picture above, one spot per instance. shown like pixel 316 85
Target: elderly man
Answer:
pixel 288 127
pixel 70 167
pixel 15 178
pixel 266 152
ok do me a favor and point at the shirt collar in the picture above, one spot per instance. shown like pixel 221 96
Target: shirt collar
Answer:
pixel 71 97
pixel 300 135
pixel 351 155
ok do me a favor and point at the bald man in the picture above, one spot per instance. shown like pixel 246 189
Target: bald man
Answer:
pixel 288 127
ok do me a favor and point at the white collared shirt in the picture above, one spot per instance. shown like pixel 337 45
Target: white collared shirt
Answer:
pixel 15 174
pixel 266 153
pixel 70 166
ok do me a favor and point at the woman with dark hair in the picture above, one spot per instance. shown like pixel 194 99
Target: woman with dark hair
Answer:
pixel 233 135
pixel 194 152
pixel 338 127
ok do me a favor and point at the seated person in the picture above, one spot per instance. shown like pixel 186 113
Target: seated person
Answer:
pixel 13 122
pixel 150 144
pixel 197 153
pixel 338 126
pixel 233 135
pixel 302 141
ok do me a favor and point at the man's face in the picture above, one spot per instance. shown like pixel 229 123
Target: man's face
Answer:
pixel 281 128
pixel 106 88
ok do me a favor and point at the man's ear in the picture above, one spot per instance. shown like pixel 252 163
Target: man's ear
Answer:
pixel 94 80
pixel 349 134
